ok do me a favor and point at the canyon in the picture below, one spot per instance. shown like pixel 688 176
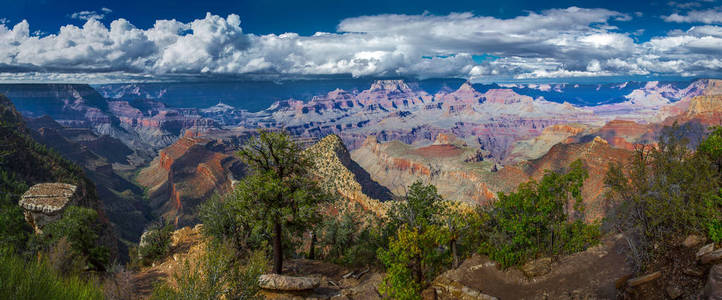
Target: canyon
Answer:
pixel 472 141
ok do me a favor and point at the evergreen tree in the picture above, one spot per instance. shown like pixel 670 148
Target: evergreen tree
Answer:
pixel 416 249
pixel 280 193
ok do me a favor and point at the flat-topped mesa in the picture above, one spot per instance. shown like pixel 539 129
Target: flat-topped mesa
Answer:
pixel 505 96
pixel 44 203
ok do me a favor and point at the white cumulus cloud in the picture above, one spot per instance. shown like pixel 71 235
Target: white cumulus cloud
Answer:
pixel 91 14
pixel 707 16
pixel 551 43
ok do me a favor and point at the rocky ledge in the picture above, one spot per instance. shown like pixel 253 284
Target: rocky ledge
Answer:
pixel 43 203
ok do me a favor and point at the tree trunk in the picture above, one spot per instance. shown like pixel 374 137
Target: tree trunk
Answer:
pixel 312 251
pixel 277 248
pixel 454 253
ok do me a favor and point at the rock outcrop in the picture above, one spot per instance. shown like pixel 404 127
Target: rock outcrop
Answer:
pixel 446 164
pixel 443 288
pixel 540 145
pixel 44 203
pixel 338 173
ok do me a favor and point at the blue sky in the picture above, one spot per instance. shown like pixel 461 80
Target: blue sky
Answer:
pixel 478 40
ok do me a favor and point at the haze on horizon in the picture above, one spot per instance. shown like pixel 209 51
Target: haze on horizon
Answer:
pixel 100 42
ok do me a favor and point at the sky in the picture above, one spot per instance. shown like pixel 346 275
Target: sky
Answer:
pixel 483 41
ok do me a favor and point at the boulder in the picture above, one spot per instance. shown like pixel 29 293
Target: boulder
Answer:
pixel 711 257
pixel 643 279
pixel 692 241
pixel 713 288
pixel 537 267
pixel 278 282
pixel 44 203
pixel 704 250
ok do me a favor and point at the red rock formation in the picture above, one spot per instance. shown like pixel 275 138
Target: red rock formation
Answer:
pixel 624 134
pixel 186 173
pixel 596 156
pixel 439 151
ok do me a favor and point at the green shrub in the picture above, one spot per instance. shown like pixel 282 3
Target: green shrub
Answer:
pixel 714 230
pixel 21 279
pixel 422 206
pixel 219 274
pixel 418 247
pixel 665 193
pixel 80 226
pixel 155 242
pixel 412 260
pixel 352 238
pixel 533 221
pixel 15 231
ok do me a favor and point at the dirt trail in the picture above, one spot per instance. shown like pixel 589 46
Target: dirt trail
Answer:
pixel 587 275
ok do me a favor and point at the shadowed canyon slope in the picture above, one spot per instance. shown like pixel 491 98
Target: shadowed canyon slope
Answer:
pixel 24 162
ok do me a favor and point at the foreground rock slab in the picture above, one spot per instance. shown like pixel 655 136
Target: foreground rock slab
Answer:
pixel 278 282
